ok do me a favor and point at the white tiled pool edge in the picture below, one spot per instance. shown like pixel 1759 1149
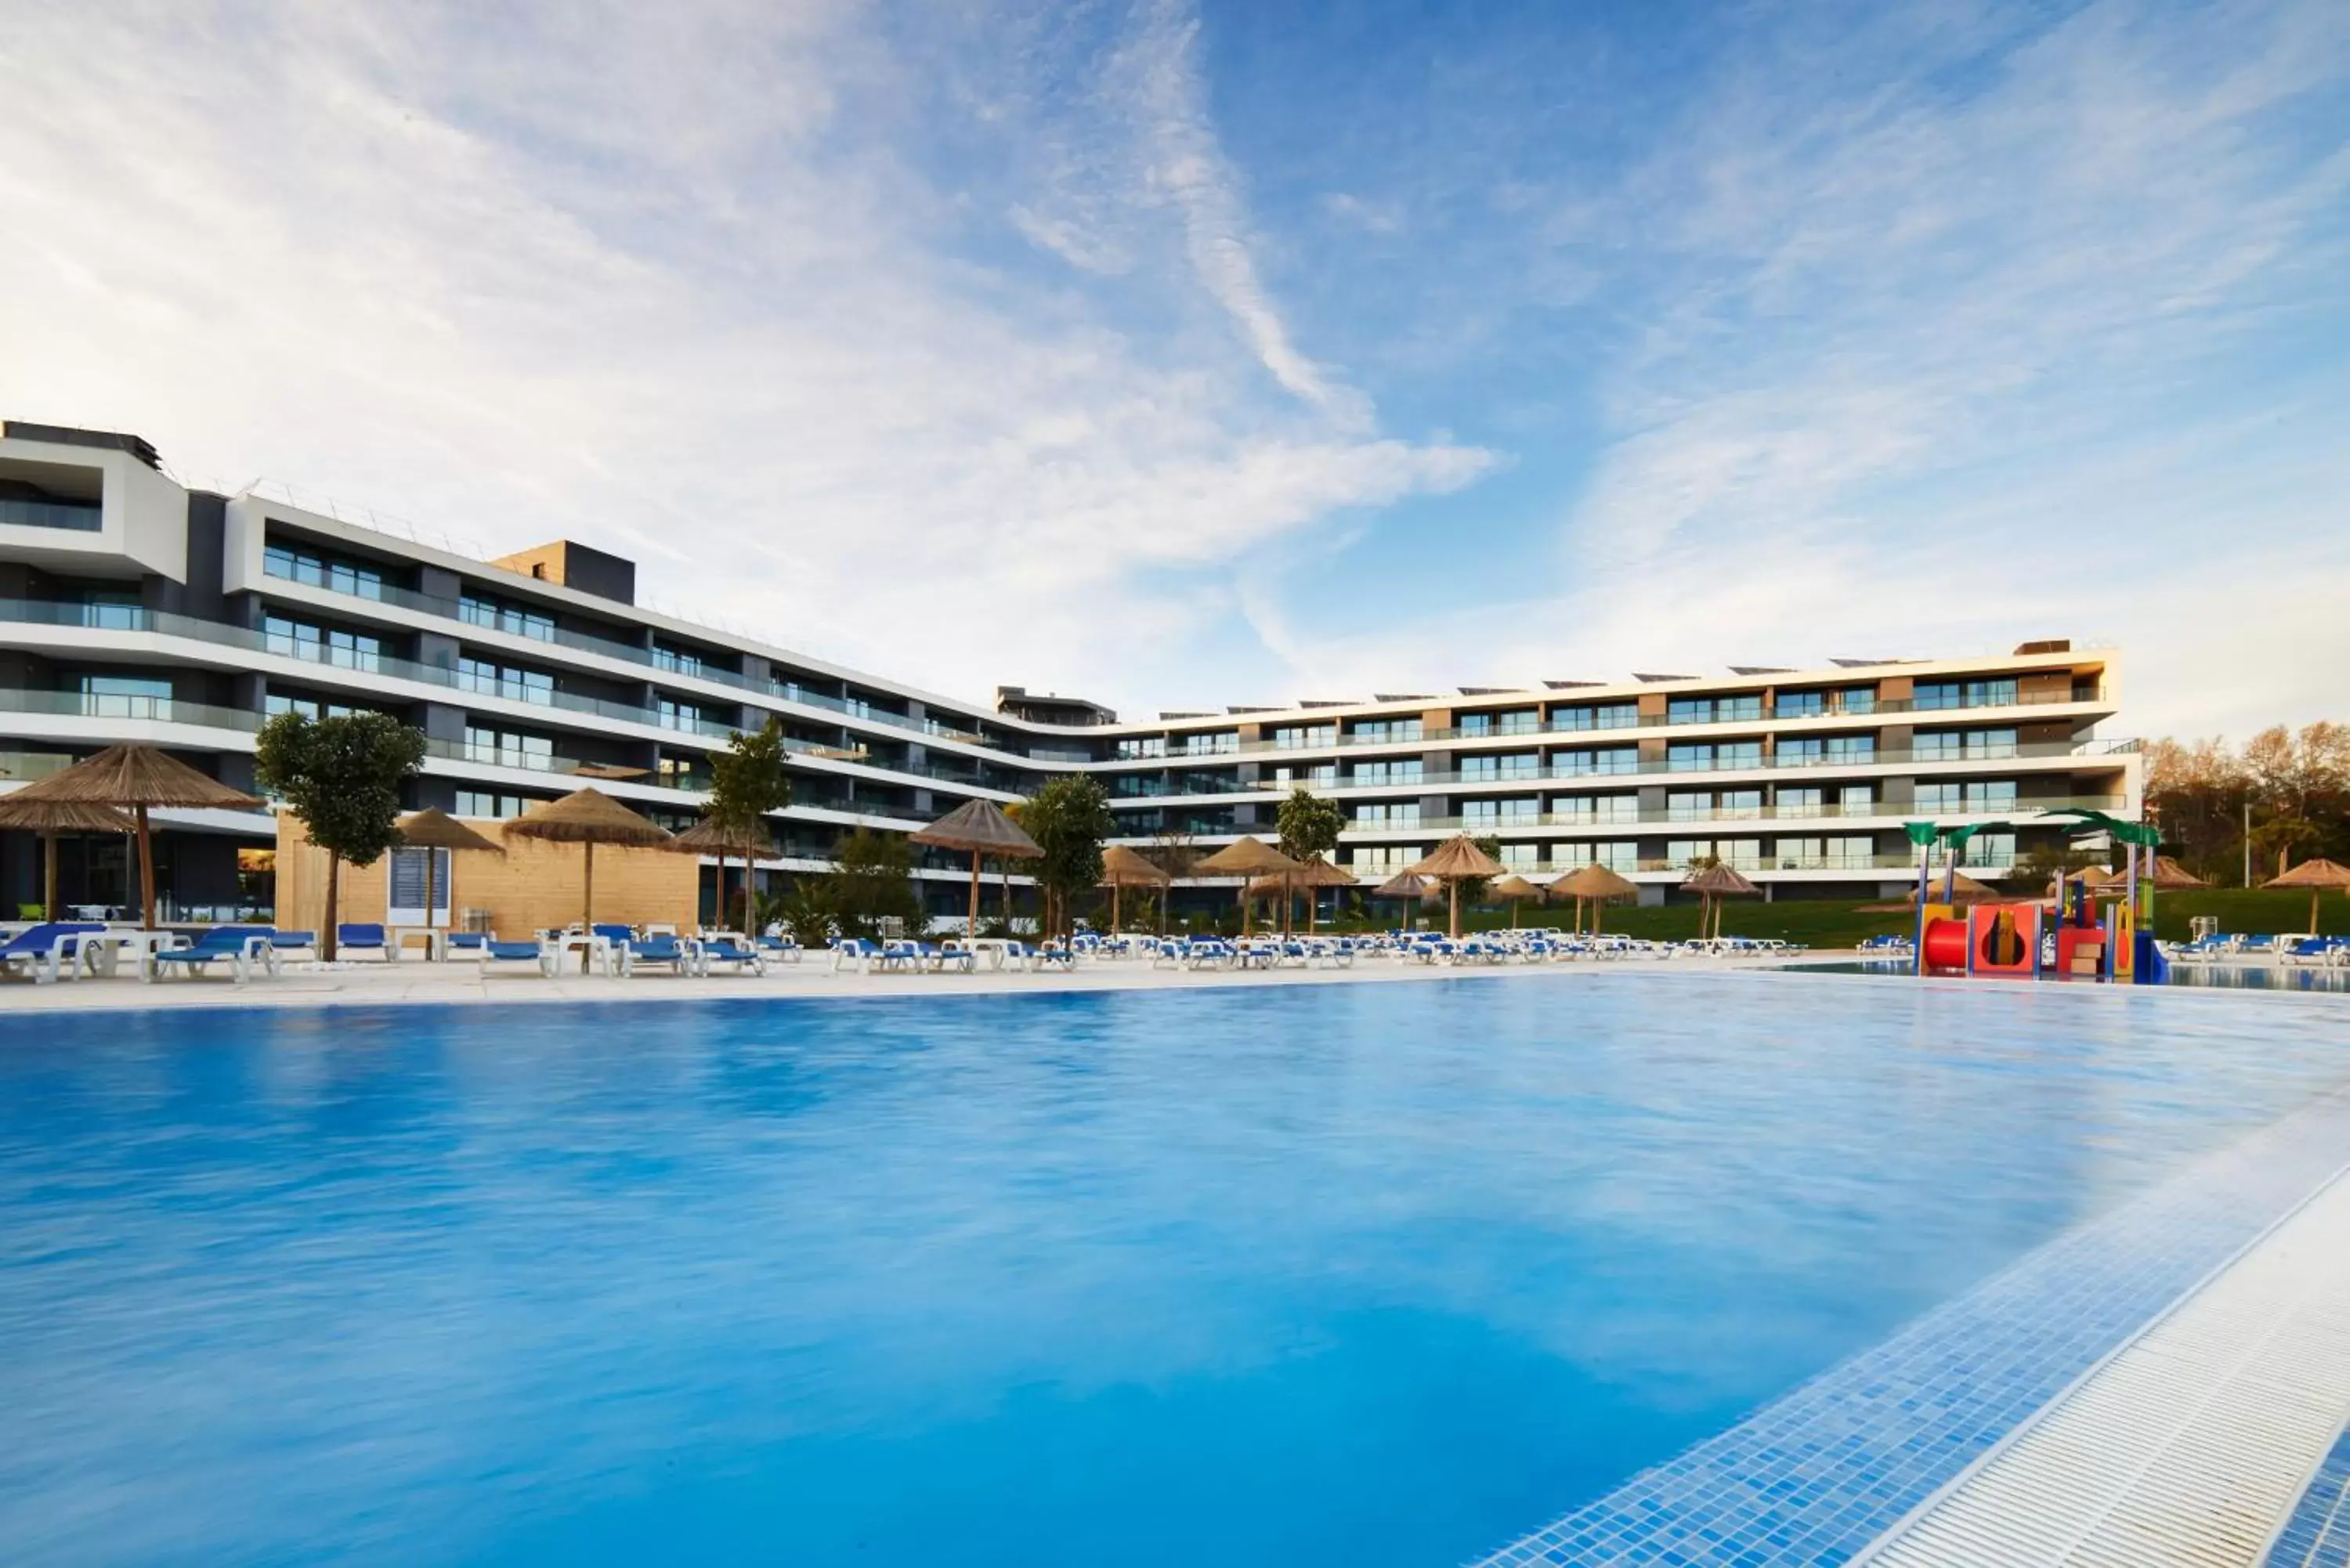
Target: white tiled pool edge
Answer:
pixel 2190 1445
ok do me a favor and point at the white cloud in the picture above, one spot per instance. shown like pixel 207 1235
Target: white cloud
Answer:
pixel 686 286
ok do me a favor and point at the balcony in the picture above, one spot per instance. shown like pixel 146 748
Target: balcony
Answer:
pixel 73 516
pixel 1879 812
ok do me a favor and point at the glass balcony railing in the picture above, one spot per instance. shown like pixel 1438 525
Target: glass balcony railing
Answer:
pixel 72 516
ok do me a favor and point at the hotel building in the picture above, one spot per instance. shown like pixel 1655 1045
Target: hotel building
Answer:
pixel 133 608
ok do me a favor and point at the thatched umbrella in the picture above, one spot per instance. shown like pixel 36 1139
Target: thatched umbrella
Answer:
pixel 1713 883
pixel 1252 856
pixel 980 826
pixel 1596 883
pixel 1123 869
pixel 587 817
pixel 1457 860
pixel 50 817
pixel 2316 875
pixel 2169 877
pixel 1405 886
pixel 1517 890
pixel 137 777
pixel 433 830
pixel 710 836
pixel 1313 872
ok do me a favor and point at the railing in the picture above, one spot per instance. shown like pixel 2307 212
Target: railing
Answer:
pixel 1854 865
pixel 112 705
pixel 661 661
pixel 23 767
pixel 1880 811
pixel 124 618
pixel 52 515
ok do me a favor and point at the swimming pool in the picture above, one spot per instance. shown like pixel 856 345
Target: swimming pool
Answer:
pixel 1376 1273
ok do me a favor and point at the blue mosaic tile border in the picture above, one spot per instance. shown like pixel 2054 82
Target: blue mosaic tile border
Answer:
pixel 2317 1534
pixel 1816 1477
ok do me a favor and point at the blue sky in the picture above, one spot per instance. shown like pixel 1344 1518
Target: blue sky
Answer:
pixel 1185 353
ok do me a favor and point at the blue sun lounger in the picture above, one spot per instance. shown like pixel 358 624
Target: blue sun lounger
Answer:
pixel 239 947
pixel 50 950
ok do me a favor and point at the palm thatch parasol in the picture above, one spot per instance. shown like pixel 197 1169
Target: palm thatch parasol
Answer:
pixel 1457 860
pixel 1313 872
pixel 137 777
pixel 2316 875
pixel 433 830
pixel 1963 890
pixel 1250 857
pixel 50 817
pixel 2168 875
pixel 1713 883
pixel 1516 890
pixel 1407 887
pixel 587 817
pixel 981 827
pixel 1596 883
pixel 710 836
pixel 1123 869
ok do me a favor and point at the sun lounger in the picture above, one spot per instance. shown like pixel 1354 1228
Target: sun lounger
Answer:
pixel 854 952
pixel 543 956
pixel 284 945
pixel 733 954
pixel 49 951
pixel 352 939
pixel 680 957
pixel 242 948
pixel 780 950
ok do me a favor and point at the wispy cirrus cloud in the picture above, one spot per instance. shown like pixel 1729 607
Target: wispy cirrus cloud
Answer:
pixel 703 288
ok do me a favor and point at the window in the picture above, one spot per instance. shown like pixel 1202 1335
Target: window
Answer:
pixel 1402 773
pixel 1522 766
pixel 1321 775
pixel 1689 757
pixel 491 679
pixel 1940 797
pixel 1520 857
pixel 1138 783
pixel 1476 723
pixel 1135 746
pixel 508 749
pixel 297 639
pixel 1804 802
pixel 1298 737
pixel 1215 781
pixel 1801 704
pixel 1996 693
pixel 1480 770
pixel 500 615
pixel 1952 745
pixel 1713 709
pixel 677 714
pixel 678 660
pixel 1683 807
pixel 1689 710
pixel 312 569
pixel 1738 754
pixel 1989 850
pixel 682 772
pixel 1517 722
pixel 1857 800
pixel 1392 814
pixel 1211 743
pixel 1489 813
pixel 1617 856
pixel 1372 731
pixel 1598 716
pixel 1739 803
pixel 475 803
pixel 1380 861
pixel 1990 794
pixel 1800 753
pixel 276 702
pixel 126 697
pixel 1683 854
pixel 1575 808
pixel 1852 748
pixel 1609 760
pixel 1739 853
pixel 1852 854
pixel 1856 700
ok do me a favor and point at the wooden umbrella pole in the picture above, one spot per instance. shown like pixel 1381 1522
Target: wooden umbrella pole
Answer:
pixel 587 885
pixel 1454 884
pixel 50 877
pixel 1114 890
pixel 146 874
pixel 973 934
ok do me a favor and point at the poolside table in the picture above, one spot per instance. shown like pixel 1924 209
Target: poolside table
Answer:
pixel 992 949
pixel 595 952
pixel 436 941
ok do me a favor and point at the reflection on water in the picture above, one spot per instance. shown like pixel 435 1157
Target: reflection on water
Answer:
pixel 2224 976
pixel 1382 1273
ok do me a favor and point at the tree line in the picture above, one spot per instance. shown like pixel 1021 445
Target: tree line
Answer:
pixel 2283 793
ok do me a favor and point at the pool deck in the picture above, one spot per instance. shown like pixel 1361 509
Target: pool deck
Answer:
pixel 414 982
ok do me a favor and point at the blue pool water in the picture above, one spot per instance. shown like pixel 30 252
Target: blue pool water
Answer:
pixel 1374 1275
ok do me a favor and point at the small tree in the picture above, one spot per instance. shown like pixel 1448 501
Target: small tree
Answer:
pixel 341 775
pixel 1310 825
pixel 872 879
pixel 746 782
pixel 1068 819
